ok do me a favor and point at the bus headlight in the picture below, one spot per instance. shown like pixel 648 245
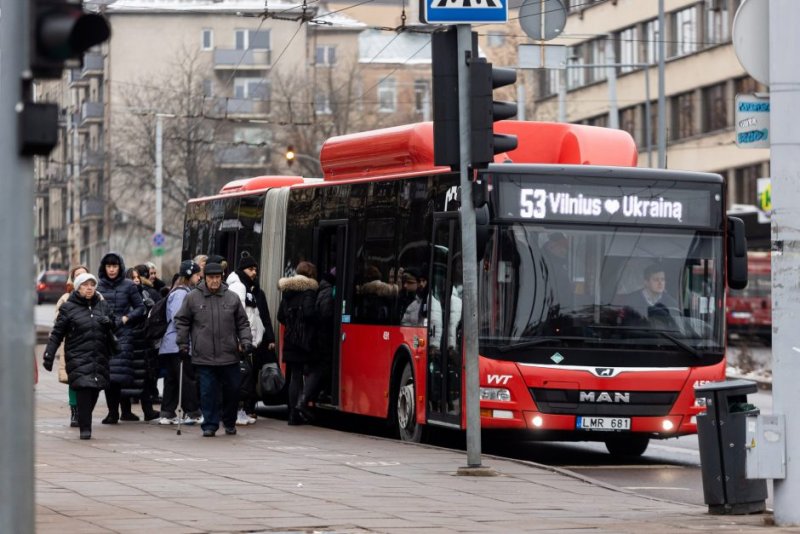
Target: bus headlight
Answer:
pixel 495 394
pixel 667 425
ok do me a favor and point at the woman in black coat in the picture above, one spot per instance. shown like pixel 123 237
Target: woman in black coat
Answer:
pixel 87 323
pixel 126 304
pixel 297 314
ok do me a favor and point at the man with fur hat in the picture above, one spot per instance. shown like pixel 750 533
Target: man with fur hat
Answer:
pixel 215 321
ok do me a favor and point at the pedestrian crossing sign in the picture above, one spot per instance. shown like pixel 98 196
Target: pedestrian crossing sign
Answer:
pixel 463 11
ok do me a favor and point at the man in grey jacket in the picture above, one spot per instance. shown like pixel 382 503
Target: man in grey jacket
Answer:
pixel 215 321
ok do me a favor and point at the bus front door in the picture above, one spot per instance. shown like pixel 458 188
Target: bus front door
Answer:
pixel 331 253
pixel 444 324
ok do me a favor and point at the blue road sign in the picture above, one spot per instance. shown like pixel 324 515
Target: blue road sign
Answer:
pixel 463 11
pixel 158 239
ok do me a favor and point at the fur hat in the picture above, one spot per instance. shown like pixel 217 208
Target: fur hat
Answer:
pixel 83 278
pixel 188 268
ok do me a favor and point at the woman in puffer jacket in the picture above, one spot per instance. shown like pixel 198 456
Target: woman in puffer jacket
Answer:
pixel 126 303
pixel 86 321
pixel 297 313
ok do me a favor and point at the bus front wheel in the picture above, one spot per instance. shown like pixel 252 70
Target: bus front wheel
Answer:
pixel 628 446
pixel 405 406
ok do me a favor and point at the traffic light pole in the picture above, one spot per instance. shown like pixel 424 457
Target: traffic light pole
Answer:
pixel 469 254
pixel 16 306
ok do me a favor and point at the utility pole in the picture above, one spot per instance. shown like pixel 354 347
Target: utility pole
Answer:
pixel 469 254
pixel 784 81
pixel 16 306
pixel 662 102
pixel 613 108
pixel 159 226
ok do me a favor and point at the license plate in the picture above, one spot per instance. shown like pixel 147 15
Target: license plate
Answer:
pixel 603 423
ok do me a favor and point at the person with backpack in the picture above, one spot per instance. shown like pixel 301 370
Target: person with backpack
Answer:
pixel 161 328
pixel 297 313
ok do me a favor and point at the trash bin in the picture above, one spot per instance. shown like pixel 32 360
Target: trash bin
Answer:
pixel 721 434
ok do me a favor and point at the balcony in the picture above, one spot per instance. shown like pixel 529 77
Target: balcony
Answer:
pixel 57 235
pixel 92 207
pixel 91 112
pixel 76 78
pixel 241 107
pixel 93 64
pixel 241 157
pixel 226 59
pixel 92 159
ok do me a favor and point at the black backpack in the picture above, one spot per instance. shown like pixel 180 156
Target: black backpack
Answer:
pixel 156 323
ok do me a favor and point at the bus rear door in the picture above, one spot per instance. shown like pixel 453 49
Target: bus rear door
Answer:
pixel 331 258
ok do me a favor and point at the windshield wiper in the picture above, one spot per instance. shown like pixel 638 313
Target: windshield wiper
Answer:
pixel 685 346
pixel 527 344
pixel 541 340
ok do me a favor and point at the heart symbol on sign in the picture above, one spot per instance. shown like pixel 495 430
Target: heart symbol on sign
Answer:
pixel 611 205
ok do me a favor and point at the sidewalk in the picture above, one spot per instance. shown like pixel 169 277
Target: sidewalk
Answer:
pixel 274 478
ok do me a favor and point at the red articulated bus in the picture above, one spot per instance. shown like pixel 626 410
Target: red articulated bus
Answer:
pixel 749 310
pixel 569 349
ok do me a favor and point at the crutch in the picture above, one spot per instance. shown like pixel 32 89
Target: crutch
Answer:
pixel 179 410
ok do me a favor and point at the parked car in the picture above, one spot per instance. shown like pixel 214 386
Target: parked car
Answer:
pixel 50 285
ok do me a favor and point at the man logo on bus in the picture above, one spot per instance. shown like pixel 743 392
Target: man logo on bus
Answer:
pixel 605 371
pixel 605 396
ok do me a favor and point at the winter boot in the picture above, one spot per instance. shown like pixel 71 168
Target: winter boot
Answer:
pixel 73 416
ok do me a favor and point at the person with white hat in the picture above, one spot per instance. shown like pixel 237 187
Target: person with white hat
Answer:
pixel 86 322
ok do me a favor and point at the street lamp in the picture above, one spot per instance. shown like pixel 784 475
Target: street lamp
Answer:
pixel 158 236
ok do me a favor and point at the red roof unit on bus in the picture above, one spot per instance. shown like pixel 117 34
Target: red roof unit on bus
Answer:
pixel 259 182
pixel 408 150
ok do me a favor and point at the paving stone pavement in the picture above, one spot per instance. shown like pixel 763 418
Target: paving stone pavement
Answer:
pixel 136 477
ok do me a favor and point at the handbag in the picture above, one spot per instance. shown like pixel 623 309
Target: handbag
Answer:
pixel 246 385
pixel 270 381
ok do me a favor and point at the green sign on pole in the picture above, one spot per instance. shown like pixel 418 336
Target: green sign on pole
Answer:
pixel 158 251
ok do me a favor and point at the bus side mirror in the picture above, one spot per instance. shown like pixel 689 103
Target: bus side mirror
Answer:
pixel 481 228
pixel 737 254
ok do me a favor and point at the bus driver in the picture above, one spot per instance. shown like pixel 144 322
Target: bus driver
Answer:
pixel 652 301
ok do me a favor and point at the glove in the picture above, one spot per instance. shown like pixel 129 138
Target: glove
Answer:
pixel 248 349
pixel 183 353
pixel 47 362
pixel 103 320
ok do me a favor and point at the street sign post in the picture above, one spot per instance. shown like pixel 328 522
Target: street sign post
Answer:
pixel 463 11
pixel 752 121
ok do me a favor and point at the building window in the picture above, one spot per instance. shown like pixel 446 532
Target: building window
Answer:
pixel 748 85
pixel 652 36
pixel 715 110
pixel 576 76
pixel 745 184
pixel 387 95
pixel 718 28
pixel 251 135
pixel 208 88
pixel 628 49
pixel 251 88
pixel 598 52
pixel 684 32
pixel 683 115
pixel 421 96
pixel 208 39
pixel 325 55
pixel 628 122
pixel 322 104
pixel 252 40
pixel 599 120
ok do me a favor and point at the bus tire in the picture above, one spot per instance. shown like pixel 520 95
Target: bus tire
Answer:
pixel 405 407
pixel 628 446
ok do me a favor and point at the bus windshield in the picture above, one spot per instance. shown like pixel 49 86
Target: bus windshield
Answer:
pixel 600 287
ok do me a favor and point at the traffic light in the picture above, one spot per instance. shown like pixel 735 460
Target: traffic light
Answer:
pixel 60 31
pixel 445 98
pixel 484 111
pixel 290 155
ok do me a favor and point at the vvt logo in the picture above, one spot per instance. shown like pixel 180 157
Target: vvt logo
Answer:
pixel 498 379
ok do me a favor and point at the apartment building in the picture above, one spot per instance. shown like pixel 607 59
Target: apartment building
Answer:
pixel 702 78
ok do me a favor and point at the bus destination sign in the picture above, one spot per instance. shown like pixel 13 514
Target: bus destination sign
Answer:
pixel 617 204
